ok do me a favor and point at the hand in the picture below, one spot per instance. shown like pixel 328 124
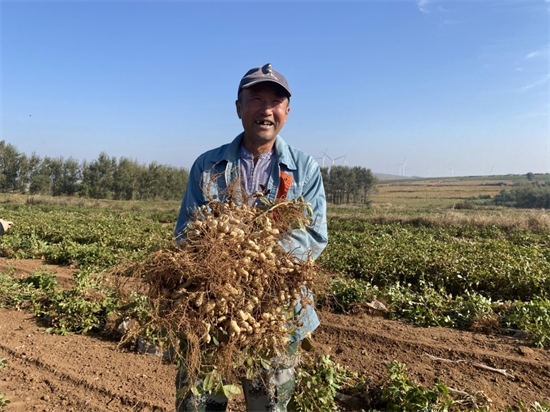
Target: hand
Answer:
pixel 4 225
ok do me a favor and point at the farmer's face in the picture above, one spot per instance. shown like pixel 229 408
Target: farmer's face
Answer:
pixel 263 110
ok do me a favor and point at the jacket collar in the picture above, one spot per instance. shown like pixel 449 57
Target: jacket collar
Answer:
pixel 232 152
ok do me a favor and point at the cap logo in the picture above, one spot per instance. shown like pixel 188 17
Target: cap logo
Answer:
pixel 268 71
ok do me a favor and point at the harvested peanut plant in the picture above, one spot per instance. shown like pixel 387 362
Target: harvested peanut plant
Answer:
pixel 229 298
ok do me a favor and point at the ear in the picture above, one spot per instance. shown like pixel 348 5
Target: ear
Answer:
pixel 238 106
pixel 287 111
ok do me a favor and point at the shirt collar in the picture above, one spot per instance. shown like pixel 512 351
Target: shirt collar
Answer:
pixel 245 154
pixel 232 152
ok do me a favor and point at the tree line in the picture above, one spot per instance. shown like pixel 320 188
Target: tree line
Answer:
pixel 528 195
pixel 345 185
pixel 103 178
pixel 125 179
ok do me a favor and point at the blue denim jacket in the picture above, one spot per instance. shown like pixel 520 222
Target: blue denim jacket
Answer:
pixel 297 167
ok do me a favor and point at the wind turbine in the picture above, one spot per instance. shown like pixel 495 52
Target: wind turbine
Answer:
pixel 402 165
pixel 333 160
pixel 339 157
pixel 452 169
pixel 324 154
pixel 319 158
pixel 345 161
pixel 330 158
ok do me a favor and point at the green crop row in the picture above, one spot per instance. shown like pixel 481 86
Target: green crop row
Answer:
pixel 499 266
pixel 83 237
pixel 427 305
pixel 453 276
pixel 430 275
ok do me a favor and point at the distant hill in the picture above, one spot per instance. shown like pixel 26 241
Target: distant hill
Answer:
pixel 385 176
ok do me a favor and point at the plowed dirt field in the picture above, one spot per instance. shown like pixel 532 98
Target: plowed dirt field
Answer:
pixel 47 372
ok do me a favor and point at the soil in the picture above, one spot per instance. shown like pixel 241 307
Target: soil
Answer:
pixel 47 372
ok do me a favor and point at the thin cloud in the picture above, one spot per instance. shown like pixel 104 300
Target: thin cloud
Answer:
pixel 536 83
pixel 429 6
pixel 538 53
pixel 423 6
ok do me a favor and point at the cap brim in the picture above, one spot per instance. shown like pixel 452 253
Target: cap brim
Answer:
pixel 252 83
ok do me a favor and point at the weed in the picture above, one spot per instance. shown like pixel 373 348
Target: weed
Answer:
pixel 3 400
pixel 533 316
pixel 403 394
pixel 317 383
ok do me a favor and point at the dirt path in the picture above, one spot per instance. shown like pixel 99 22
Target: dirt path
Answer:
pixel 48 372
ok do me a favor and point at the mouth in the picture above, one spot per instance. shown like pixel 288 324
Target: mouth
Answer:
pixel 263 123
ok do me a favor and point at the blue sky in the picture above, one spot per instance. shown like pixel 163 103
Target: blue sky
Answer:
pixel 461 85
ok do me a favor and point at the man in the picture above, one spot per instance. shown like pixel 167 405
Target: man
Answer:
pixel 259 157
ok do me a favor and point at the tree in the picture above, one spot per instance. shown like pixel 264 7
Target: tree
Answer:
pixel 40 175
pixel 103 178
pixel 348 185
pixel 23 178
pixel 98 177
pixel 126 179
pixel 10 167
pixel 71 176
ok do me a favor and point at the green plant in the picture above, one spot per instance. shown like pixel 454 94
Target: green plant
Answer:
pixel 30 293
pixel 3 400
pixel 534 407
pixel 533 316
pixel 84 308
pixel 317 383
pixel 84 237
pixel 403 394
pixel 347 291
pixel 540 407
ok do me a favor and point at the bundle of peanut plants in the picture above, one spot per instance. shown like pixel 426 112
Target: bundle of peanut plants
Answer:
pixel 228 298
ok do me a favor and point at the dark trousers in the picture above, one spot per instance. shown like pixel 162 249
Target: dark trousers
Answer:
pixel 269 392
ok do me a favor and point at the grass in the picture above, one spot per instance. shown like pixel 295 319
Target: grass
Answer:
pixel 79 202
pixel 430 194
pixel 506 219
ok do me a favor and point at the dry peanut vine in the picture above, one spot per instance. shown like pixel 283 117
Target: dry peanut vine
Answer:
pixel 226 298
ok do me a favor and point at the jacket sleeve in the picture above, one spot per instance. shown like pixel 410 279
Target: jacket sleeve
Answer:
pixel 314 240
pixel 193 198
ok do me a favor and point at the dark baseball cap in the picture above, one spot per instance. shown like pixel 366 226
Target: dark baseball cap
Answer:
pixel 261 74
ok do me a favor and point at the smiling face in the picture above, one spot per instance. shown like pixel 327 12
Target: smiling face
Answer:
pixel 263 110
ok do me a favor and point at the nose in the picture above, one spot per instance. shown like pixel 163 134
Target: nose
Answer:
pixel 266 107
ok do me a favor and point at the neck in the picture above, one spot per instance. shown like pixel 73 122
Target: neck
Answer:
pixel 257 148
